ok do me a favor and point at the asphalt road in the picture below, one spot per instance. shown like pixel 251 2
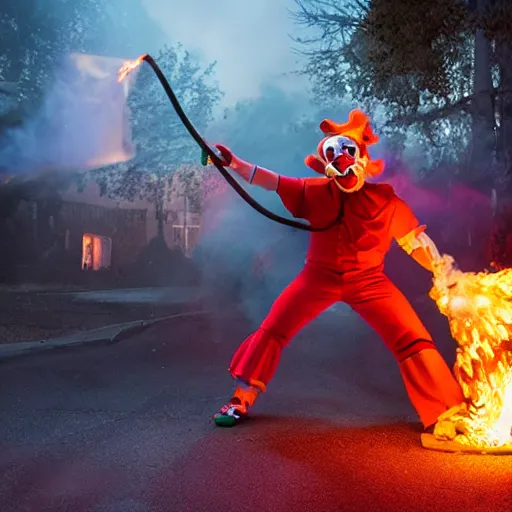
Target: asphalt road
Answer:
pixel 125 428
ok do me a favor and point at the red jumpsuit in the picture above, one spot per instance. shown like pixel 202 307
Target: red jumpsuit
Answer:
pixel 345 263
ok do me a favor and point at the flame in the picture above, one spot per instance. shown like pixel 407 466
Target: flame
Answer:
pixel 479 310
pixel 127 67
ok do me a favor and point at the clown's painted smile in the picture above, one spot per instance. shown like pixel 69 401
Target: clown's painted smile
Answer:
pixel 348 180
pixel 342 167
pixel 342 170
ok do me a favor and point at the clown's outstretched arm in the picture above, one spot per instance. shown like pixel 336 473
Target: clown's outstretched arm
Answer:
pixel 420 247
pixel 253 174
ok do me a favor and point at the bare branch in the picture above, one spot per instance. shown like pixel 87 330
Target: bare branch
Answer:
pixel 461 105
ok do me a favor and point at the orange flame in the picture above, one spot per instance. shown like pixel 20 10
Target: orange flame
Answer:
pixel 479 310
pixel 127 67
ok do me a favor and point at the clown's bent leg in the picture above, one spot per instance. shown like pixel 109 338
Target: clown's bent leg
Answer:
pixel 256 360
pixel 429 383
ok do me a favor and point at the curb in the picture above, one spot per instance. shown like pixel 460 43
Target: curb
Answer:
pixel 104 335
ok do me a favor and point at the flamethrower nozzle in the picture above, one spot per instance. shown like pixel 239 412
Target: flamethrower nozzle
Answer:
pixel 205 158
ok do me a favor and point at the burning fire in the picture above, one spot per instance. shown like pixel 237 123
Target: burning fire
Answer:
pixel 128 67
pixel 479 310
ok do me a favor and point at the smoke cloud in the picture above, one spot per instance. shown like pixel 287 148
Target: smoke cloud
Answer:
pixel 247 255
pixel 83 122
pixel 253 257
pixel 258 258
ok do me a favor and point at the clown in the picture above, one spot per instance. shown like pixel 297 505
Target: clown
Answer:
pixel 344 263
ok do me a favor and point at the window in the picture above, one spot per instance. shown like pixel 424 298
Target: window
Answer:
pixel 96 252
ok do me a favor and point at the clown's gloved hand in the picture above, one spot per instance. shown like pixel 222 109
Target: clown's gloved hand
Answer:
pixel 251 173
pixel 224 154
pixel 425 252
pixel 421 248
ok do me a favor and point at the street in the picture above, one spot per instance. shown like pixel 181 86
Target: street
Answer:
pixel 126 428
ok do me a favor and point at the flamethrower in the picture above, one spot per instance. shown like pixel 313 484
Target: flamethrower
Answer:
pixel 209 154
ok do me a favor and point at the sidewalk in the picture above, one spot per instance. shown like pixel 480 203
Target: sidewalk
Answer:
pixel 32 315
pixel 160 296
pixel 108 334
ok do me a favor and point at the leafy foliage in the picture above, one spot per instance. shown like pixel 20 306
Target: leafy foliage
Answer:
pixel 164 164
pixel 403 57
pixel 161 138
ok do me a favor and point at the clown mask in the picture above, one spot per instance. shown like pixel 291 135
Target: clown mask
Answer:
pixel 343 155
pixel 344 164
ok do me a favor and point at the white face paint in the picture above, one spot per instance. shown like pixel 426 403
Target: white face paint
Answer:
pixel 344 164
pixel 335 146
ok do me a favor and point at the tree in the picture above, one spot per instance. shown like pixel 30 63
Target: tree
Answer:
pixel 388 53
pixel 483 100
pixel 161 138
pixel 164 163
pixel 188 184
pixel 34 34
pixel 497 26
pixel 430 65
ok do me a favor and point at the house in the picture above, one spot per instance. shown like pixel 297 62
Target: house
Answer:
pixel 113 232
pixel 81 228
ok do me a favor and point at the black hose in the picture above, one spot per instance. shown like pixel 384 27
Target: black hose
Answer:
pixel 218 163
